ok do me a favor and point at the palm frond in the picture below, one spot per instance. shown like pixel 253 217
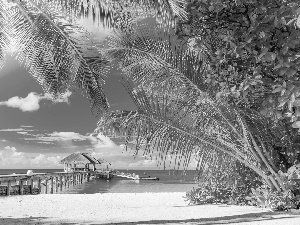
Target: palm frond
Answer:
pixel 147 59
pixel 161 127
pixel 53 57
pixel 5 42
pixel 114 13
pixel 156 67
pixel 151 63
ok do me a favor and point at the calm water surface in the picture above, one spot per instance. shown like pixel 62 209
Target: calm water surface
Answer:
pixel 169 181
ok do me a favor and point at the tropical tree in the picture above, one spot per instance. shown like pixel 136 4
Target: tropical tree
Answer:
pixel 202 78
pixel 207 92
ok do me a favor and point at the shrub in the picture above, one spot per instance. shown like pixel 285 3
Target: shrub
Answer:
pixel 228 185
pixel 240 186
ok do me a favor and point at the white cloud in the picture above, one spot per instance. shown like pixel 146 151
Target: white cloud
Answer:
pixel 104 142
pixel 66 136
pixel 32 101
pixel 98 142
pixel 3 140
pixel 11 130
pixel 61 98
pixel 144 163
pixel 43 160
pixel 11 158
pixel 26 126
pixel 17 130
pixel 28 104
pixel 59 136
pixel 44 142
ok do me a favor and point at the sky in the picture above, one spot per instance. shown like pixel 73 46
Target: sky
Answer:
pixel 37 132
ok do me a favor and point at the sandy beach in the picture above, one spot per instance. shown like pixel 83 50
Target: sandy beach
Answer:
pixel 130 208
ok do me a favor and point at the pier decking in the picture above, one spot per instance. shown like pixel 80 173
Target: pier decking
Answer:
pixel 21 184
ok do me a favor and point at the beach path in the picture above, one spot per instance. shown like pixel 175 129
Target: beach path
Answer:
pixel 130 208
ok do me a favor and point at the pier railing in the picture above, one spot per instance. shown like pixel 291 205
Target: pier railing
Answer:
pixel 20 184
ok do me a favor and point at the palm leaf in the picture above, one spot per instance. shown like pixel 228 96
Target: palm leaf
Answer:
pixel 160 128
pixel 153 64
pixel 147 59
pixel 53 57
pixel 156 66
pixel 114 13
pixel 5 43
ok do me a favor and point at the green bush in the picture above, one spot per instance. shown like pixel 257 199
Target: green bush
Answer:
pixel 239 185
pixel 275 200
pixel 228 185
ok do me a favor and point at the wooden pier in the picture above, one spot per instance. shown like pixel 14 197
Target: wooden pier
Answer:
pixel 22 184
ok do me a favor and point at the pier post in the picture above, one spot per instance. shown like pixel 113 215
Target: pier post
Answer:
pixel 31 185
pixel 21 187
pixel 60 182
pixel 88 177
pixel 46 187
pixel 81 178
pixel 39 185
pixel 51 188
pixel 56 184
pixel 8 188
pixel 73 179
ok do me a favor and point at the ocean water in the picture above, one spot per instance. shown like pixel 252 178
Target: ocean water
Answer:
pixel 169 181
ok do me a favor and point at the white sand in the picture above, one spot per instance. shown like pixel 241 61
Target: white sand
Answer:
pixel 138 208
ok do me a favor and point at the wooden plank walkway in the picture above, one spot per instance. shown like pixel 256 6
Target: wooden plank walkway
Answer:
pixel 20 184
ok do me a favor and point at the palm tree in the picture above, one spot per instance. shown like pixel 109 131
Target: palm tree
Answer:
pixel 177 116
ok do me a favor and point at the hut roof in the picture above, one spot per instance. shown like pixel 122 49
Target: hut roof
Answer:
pixel 103 161
pixel 79 158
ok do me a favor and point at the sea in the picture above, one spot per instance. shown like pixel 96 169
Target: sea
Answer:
pixel 169 181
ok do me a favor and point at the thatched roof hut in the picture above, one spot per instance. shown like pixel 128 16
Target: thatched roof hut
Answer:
pixel 103 161
pixel 81 159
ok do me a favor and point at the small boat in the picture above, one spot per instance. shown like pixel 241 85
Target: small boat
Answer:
pixel 149 178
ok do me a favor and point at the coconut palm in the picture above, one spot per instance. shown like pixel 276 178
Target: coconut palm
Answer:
pixel 176 114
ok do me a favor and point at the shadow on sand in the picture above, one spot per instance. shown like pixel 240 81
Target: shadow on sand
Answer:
pixel 251 217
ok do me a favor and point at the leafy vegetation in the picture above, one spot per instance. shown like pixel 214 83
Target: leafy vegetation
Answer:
pixel 213 81
pixel 228 185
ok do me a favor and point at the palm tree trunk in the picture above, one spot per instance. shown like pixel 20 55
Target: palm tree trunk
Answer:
pixel 272 178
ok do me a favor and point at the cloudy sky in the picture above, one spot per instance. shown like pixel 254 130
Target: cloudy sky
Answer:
pixel 37 132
